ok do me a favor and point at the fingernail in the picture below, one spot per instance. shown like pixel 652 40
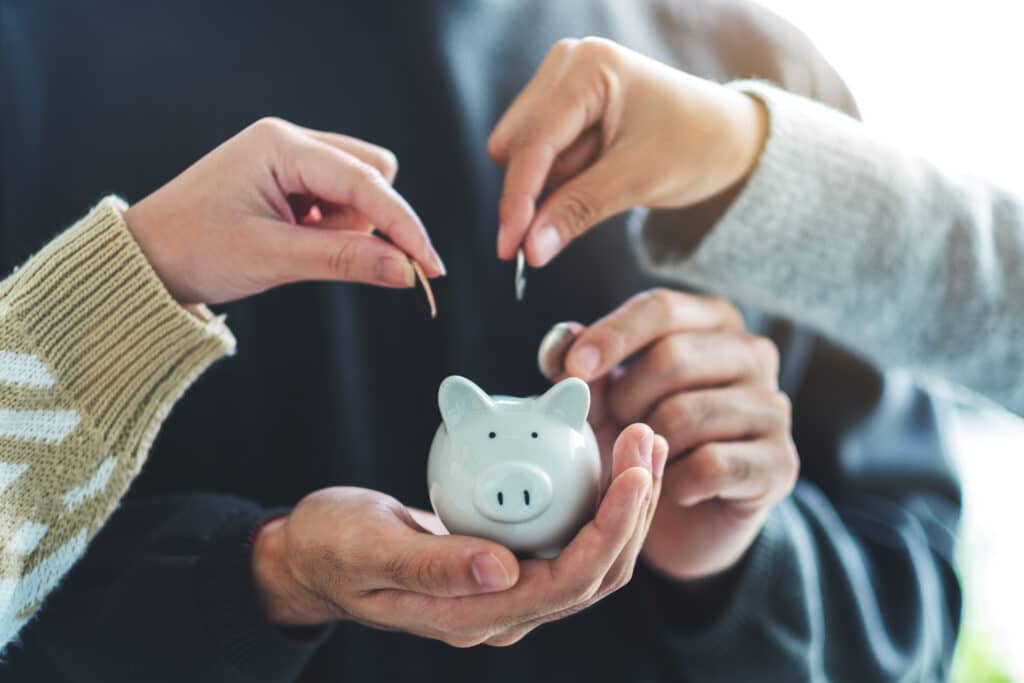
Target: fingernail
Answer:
pixel 546 243
pixel 586 359
pixel 395 272
pixel 440 263
pixel 489 573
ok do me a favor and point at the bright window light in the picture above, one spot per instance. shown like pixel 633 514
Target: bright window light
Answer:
pixel 943 78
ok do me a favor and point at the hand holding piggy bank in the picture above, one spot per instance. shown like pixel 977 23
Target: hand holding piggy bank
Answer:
pixel 524 472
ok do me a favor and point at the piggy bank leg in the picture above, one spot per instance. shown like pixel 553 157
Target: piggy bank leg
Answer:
pixel 548 553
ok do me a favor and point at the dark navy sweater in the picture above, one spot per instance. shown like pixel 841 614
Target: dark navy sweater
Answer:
pixel 851 579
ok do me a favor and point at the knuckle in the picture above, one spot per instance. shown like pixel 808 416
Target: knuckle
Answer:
pixel 430 573
pixel 461 642
pixel 564 46
pixel 269 126
pixel 790 464
pixel 710 463
pixel 341 261
pixel 731 316
pixel 598 49
pixel 507 205
pixel 367 173
pixel 776 409
pixel 783 408
pixel 510 638
pixel 663 302
pixel 581 593
pixel 672 354
pixel 693 409
pixel 577 211
pixel 673 418
pixel 387 162
pixel 766 354
pixel 621 578
pixel 588 594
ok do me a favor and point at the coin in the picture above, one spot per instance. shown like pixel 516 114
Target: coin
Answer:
pixel 553 349
pixel 426 288
pixel 520 274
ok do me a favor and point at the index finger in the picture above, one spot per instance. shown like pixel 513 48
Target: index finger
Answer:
pixel 530 137
pixel 315 168
pixel 381 158
pixel 640 321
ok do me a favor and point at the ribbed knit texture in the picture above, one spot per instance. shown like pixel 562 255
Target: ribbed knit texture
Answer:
pixel 93 354
pixel 873 246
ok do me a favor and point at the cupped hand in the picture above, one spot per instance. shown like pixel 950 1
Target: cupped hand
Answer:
pixel 602 129
pixel 711 388
pixel 279 203
pixel 354 554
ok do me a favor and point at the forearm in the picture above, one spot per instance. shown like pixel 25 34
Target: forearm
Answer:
pixel 872 246
pixel 816 599
pixel 93 354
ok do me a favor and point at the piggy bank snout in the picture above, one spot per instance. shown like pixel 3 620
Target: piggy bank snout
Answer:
pixel 512 492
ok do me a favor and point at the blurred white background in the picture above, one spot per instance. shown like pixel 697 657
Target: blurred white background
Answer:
pixel 944 78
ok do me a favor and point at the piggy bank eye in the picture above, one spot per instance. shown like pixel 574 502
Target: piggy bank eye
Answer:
pixel 492 435
pixel 533 434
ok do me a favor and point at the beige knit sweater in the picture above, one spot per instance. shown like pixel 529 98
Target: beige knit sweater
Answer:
pixel 93 354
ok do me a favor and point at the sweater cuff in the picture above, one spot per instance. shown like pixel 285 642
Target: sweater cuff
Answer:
pixel 769 574
pixel 812 155
pixel 227 600
pixel 122 349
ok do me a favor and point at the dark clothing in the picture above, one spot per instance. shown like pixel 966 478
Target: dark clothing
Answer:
pixel 851 579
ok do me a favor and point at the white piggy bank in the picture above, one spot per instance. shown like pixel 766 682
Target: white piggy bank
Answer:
pixel 524 472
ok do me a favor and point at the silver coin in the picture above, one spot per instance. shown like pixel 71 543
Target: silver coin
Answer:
pixel 553 349
pixel 520 275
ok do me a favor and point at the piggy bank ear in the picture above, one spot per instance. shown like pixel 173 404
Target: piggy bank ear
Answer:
pixel 568 401
pixel 459 398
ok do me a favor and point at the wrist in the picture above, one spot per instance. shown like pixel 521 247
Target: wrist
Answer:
pixel 284 598
pixel 142 225
pixel 276 586
pixel 751 133
pixel 746 131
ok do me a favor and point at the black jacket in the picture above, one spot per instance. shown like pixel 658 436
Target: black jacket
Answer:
pixel 852 577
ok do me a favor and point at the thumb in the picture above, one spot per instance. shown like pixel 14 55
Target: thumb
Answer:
pixel 300 253
pixel 449 566
pixel 575 207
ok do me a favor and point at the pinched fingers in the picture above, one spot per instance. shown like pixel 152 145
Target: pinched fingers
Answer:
pixel 299 253
pixel 641 321
pixel 305 165
pixel 567 96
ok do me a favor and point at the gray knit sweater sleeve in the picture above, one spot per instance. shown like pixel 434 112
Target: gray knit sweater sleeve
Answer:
pixel 874 247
